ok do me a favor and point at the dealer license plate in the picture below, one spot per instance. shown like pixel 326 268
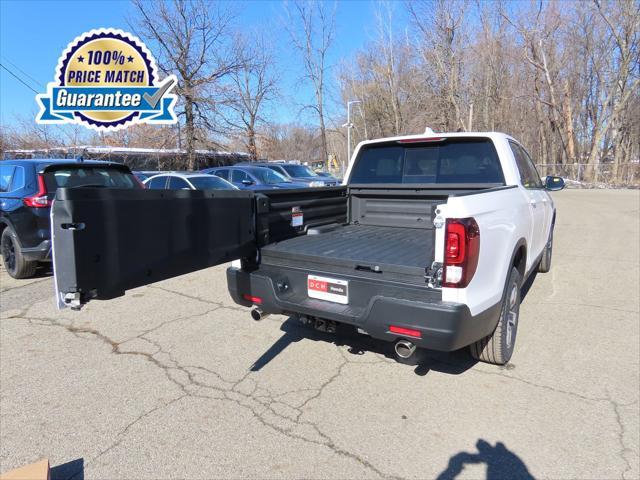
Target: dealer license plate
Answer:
pixel 330 289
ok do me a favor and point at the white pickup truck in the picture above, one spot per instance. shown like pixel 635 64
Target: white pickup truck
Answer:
pixel 426 245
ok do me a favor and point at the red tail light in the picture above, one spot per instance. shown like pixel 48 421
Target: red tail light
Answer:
pixel 139 182
pixel 461 251
pixel 40 199
pixel 409 332
pixel 421 140
pixel 252 299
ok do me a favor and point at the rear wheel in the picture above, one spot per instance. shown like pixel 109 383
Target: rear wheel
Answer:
pixel 545 262
pixel 498 347
pixel 12 258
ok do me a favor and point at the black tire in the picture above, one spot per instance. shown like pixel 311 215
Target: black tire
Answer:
pixel 498 347
pixel 545 262
pixel 12 258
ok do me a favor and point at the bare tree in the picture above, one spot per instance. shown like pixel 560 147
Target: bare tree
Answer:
pixel 290 142
pixel 312 30
pixel 441 25
pixel 193 40
pixel 26 134
pixel 253 85
pixel 621 72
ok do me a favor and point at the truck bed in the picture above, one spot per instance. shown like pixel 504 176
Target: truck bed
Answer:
pixel 399 253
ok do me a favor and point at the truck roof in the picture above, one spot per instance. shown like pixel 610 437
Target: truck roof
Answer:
pixel 430 134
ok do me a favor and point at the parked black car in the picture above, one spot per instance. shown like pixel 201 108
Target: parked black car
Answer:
pixel 27 188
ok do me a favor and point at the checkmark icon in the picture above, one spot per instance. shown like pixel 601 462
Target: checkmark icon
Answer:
pixel 153 99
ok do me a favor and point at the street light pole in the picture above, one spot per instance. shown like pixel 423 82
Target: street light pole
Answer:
pixel 349 126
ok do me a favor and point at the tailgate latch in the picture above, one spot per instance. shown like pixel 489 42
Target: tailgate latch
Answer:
pixel 433 275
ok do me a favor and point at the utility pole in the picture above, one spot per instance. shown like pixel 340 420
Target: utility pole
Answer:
pixel 349 126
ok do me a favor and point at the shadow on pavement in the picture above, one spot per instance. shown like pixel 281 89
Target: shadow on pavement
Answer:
pixel 501 463
pixel 453 363
pixel 73 470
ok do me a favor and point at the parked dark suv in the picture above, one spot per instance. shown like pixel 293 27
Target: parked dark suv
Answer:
pixel 27 188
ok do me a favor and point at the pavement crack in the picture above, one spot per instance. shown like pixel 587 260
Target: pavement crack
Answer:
pixel 624 450
pixel 170 321
pixel 123 433
pixel 544 387
pixel 529 382
pixel 198 299
pixel 25 285
pixel 262 407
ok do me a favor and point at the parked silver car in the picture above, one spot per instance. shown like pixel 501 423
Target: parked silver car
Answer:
pixel 187 181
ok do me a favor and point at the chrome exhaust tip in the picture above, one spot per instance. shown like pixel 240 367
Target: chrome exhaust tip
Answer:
pixel 404 348
pixel 257 314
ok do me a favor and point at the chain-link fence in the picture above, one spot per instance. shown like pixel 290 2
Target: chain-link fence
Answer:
pixel 600 175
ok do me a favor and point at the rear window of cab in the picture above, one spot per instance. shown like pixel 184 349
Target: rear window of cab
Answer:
pixel 449 161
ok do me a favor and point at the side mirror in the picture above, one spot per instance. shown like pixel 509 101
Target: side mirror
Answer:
pixel 554 183
pixel 247 182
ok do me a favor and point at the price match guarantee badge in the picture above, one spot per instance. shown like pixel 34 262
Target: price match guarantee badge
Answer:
pixel 107 79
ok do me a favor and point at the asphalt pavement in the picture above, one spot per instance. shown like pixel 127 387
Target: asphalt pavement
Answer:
pixel 174 380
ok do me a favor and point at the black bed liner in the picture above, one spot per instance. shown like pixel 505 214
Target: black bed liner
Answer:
pixel 398 253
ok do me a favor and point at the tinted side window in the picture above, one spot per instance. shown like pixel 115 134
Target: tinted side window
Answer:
pixel 6 172
pixel 18 179
pixel 278 169
pixel 177 183
pixel 222 174
pixel 237 176
pixel 528 173
pixel 157 183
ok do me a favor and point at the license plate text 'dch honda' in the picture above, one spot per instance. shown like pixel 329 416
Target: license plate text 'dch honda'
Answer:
pixel 330 289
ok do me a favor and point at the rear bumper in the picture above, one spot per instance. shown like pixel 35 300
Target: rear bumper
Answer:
pixel 40 253
pixel 444 326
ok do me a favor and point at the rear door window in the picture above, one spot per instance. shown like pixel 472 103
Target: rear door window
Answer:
pixel 17 182
pixel 222 174
pixel 6 173
pixel 528 173
pixel 177 183
pixel 278 169
pixel 237 176
pixel 157 183
pixel 88 177
pixel 210 182
pixel 447 162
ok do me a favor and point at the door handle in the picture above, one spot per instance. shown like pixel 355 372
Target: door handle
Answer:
pixel 533 203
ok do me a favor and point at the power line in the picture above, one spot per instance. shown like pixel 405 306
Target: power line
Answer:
pixel 22 71
pixel 19 79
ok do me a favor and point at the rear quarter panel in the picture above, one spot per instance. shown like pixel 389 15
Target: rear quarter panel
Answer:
pixel 503 218
pixel 30 224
